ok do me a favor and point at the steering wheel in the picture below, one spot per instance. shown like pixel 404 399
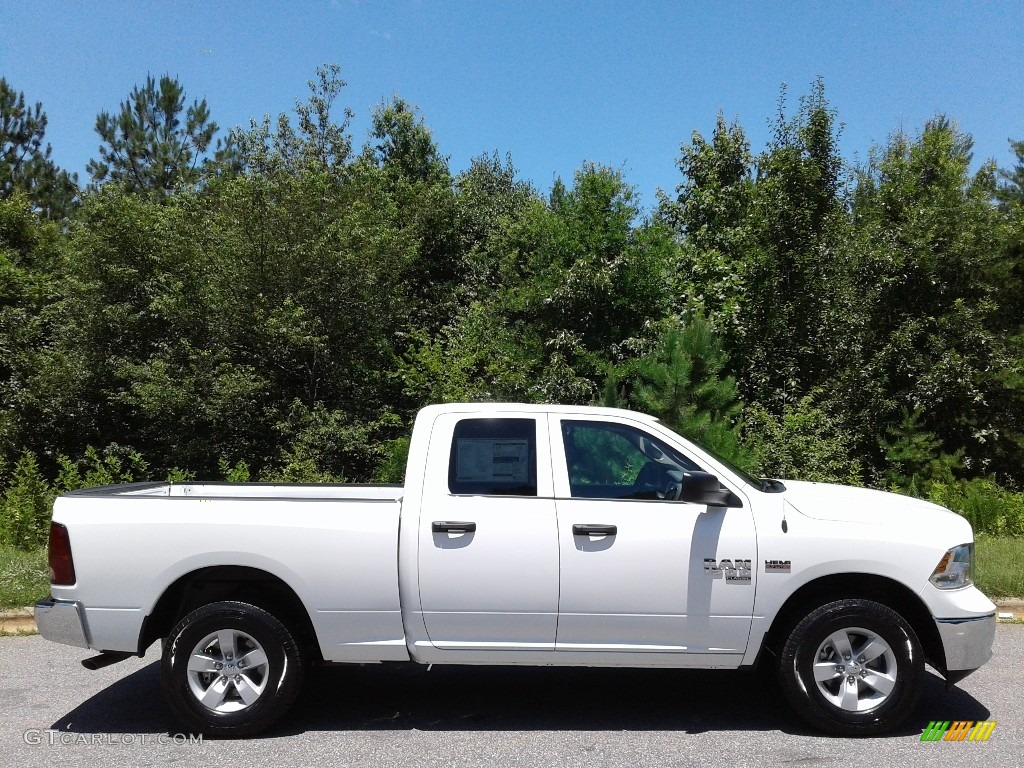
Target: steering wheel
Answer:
pixel 672 490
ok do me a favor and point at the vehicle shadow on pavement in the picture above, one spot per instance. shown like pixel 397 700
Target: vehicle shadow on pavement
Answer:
pixel 133 704
pixel 409 697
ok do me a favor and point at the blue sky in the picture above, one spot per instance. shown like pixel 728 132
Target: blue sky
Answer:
pixel 553 83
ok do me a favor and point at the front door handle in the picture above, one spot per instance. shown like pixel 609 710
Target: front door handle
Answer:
pixel 452 526
pixel 580 529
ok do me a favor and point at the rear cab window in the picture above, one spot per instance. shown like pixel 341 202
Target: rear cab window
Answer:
pixel 493 457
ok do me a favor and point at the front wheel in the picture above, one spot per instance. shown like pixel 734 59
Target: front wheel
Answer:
pixel 853 668
pixel 230 669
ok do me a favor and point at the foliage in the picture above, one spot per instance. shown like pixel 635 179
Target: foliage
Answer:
pixel 392 467
pixel 317 143
pixel 914 457
pixel 114 464
pixel 1011 182
pixel 999 566
pixel 932 280
pixel 555 290
pixel 149 150
pixel 989 508
pixel 25 506
pixel 681 381
pixel 24 576
pixel 25 166
pixel 236 473
pixel 805 443
pixel 282 310
pixel 712 214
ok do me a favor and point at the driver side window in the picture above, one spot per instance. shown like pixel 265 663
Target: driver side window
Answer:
pixel 614 461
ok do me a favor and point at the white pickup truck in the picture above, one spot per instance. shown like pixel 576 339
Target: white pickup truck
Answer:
pixel 549 535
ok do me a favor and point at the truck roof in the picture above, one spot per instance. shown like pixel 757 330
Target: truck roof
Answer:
pixel 496 408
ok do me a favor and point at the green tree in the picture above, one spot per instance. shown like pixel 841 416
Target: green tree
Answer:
pixel 25 164
pixel 797 307
pixel 711 214
pixel 1011 182
pixel 915 458
pixel 25 506
pixel 320 140
pixel 765 250
pixel 564 283
pixel 807 442
pixel 682 382
pixel 931 273
pixel 30 257
pixel 155 145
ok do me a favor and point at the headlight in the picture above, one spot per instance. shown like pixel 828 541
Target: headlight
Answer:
pixel 955 569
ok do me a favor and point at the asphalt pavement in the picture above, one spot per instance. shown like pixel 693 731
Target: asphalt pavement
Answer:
pixel 53 712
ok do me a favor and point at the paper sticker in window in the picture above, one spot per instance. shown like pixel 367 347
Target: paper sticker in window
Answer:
pixel 482 459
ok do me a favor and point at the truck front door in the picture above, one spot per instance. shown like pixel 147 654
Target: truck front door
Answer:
pixel 640 571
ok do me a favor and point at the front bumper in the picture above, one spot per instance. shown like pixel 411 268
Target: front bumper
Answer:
pixel 967 644
pixel 62 621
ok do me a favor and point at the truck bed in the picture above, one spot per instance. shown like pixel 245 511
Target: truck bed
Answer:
pixel 335 546
pixel 209 490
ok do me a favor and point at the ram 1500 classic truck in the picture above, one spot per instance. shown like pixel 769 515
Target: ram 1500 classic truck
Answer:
pixel 551 535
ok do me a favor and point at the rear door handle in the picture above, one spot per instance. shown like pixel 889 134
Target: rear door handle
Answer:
pixel 452 526
pixel 580 529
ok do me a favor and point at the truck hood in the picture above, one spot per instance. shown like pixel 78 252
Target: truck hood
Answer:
pixel 840 503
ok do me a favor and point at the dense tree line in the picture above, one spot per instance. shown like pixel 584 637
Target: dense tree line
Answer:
pixel 278 303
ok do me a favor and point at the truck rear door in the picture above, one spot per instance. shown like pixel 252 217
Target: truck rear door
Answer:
pixel 488 540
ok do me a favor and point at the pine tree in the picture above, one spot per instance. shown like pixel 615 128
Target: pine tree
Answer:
pixel 25 164
pixel 25 507
pixel 681 382
pixel 148 149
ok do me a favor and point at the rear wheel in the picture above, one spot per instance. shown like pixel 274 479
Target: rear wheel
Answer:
pixel 852 667
pixel 230 669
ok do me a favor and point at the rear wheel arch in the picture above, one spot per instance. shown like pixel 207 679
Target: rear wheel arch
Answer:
pixel 224 583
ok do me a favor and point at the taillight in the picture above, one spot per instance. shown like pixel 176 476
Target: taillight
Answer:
pixel 62 566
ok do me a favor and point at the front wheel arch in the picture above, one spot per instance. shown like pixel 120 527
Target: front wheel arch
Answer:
pixel 865 586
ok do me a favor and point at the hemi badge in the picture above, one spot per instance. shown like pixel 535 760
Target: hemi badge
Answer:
pixel 777 566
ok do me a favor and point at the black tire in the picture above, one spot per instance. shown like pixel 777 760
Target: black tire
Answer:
pixel 247 687
pixel 866 692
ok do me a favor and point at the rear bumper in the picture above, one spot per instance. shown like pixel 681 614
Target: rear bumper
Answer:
pixel 62 621
pixel 967 643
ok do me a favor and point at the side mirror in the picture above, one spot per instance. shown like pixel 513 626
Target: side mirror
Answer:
pixel 704 488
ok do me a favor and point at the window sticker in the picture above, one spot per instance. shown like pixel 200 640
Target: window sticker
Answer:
pixel 483 459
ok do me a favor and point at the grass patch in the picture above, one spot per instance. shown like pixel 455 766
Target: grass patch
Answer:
pixel 999 565
pixel 24 577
